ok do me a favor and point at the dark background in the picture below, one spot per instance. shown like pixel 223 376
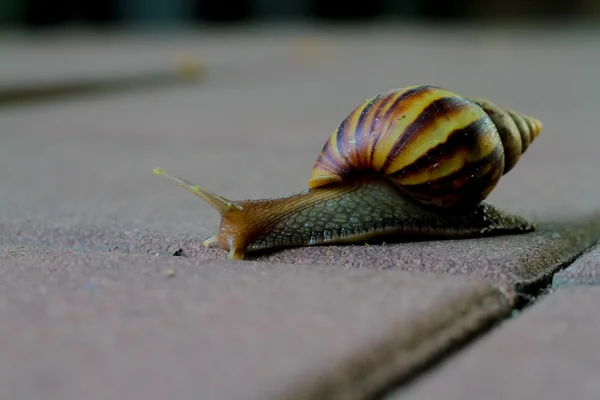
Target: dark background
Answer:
pixel 108 13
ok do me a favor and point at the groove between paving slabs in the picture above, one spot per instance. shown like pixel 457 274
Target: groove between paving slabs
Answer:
pixel 583 271
pixel 570 272
pixel 553 341
pixel 403 355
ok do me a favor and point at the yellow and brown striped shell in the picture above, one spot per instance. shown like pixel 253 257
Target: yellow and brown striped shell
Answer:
pixel 438 147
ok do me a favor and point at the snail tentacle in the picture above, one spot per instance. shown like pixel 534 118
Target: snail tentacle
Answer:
pixel 219 203
pixel 230 211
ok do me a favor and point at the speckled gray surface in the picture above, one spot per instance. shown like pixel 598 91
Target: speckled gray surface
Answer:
pixel 550 351
pixel 76 176
pixel 87 325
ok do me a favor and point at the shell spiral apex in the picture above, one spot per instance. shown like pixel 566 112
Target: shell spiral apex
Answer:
pixel 439 148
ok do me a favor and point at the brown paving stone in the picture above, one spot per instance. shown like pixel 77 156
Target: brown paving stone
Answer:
pixel 550 351
pixel 90 325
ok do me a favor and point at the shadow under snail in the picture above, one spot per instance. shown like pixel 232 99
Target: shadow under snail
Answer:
pixel 410 163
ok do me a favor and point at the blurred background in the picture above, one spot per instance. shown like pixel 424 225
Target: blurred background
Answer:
pixel 102 13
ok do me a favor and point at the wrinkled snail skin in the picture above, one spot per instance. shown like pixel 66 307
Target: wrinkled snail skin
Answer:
pixel 411 163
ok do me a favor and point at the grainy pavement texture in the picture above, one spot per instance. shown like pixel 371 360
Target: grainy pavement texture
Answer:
pixel 108 293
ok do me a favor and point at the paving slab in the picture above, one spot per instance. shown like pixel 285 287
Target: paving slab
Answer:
pixel 86 325
pixel 547 352
pixel 583 271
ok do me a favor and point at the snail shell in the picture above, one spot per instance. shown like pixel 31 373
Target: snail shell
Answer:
pixel 437 147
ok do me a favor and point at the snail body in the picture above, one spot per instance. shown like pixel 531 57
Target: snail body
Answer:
pixel 414 162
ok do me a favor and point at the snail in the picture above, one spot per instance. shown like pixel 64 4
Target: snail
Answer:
pixel 412 163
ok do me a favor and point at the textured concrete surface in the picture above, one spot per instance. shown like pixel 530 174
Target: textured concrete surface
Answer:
pixel 84 325
pixel 584 271
pixel 550 351
pixel 76 176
